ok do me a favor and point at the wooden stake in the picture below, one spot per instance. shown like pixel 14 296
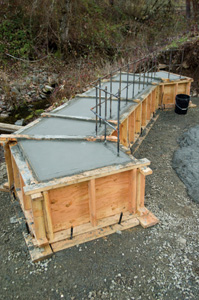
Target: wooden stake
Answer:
pixel 132 191
pixel 92 202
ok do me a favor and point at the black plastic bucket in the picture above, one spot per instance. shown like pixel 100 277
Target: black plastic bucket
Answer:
pixel 182 104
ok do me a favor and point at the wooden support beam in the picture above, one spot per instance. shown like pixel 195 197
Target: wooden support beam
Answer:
pixel 153 98
pixel 48 216
pixel 132 191
pixel 9 127
pixel 26 199
pixel 38 217
pixel 124 133
pixel 188 87
pixel 131 127
pixel 8 160
pixel 175 92
pixel 140 190
pixel 17 184
pixel 92 202
pixel 144 113
pixel 138 113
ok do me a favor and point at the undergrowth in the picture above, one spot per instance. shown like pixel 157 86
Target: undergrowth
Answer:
pixel 31 29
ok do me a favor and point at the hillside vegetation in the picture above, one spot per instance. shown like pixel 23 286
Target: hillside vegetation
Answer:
pixel 65 28
pixel 50 50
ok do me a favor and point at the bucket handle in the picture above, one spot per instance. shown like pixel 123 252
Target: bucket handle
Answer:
pixel 181 107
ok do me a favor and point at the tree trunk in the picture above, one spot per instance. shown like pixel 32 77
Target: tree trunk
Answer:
pixel 188 9
pixel 64 22
pixel 195 8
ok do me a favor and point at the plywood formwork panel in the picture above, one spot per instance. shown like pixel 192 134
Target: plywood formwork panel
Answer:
pixel 112 195
pixel 69 206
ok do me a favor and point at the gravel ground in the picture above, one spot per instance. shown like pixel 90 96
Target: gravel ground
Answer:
pixel 161 262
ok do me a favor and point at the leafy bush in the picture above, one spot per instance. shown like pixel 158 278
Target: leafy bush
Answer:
pixel 14 39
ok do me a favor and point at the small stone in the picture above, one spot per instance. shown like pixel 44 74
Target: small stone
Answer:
pixel 118 232
pixel 13 220
pixel 4 115
pixel 14 91
pixel 47 89
pixel 182 241
pixel 42 96
pixel 19 122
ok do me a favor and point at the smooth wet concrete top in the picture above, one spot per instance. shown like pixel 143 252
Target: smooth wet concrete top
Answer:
pixel 60 126
pixel 54 159
pixel 167 75
pixel 81 107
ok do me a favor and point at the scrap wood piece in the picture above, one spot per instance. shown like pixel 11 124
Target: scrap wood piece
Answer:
pixel 4 187
pixel 192 105
pixel 146 218
pixel 9 127
pixel 37 253
pixel 15 137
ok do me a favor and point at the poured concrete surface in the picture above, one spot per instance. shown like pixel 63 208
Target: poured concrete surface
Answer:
pixel 166 75
pixel 53 159
pixel 59 126
pixel 138 89
pixel 81 107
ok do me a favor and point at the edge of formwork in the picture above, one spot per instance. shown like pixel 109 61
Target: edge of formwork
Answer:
pixel 114 225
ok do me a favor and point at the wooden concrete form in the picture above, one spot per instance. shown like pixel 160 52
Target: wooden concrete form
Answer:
pixel 161 95
pixel 168 89
pixel 68 211
pixel 75 209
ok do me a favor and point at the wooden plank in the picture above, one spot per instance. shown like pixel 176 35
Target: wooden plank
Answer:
pixel 17 184
pixel 144 113
pixel 162 96
pixel 9 127
pixel 175 92
pixel 86 237
pixel 131 127
pixel 8 160
pixel 92 202
pixel 97 173
pixel 26 199
pixel 124 133
pixel 47 216
pixel 37 253
pixel 153 99
pixel 3 189
pixel 87 227
pixel 132 191
pixel 146 171
pixel 140 190
pixel 38 217
pixel 138 113
pixel 148 219
pixel 188 88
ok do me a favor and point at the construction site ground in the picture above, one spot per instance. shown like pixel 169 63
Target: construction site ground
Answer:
pixel 161 262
